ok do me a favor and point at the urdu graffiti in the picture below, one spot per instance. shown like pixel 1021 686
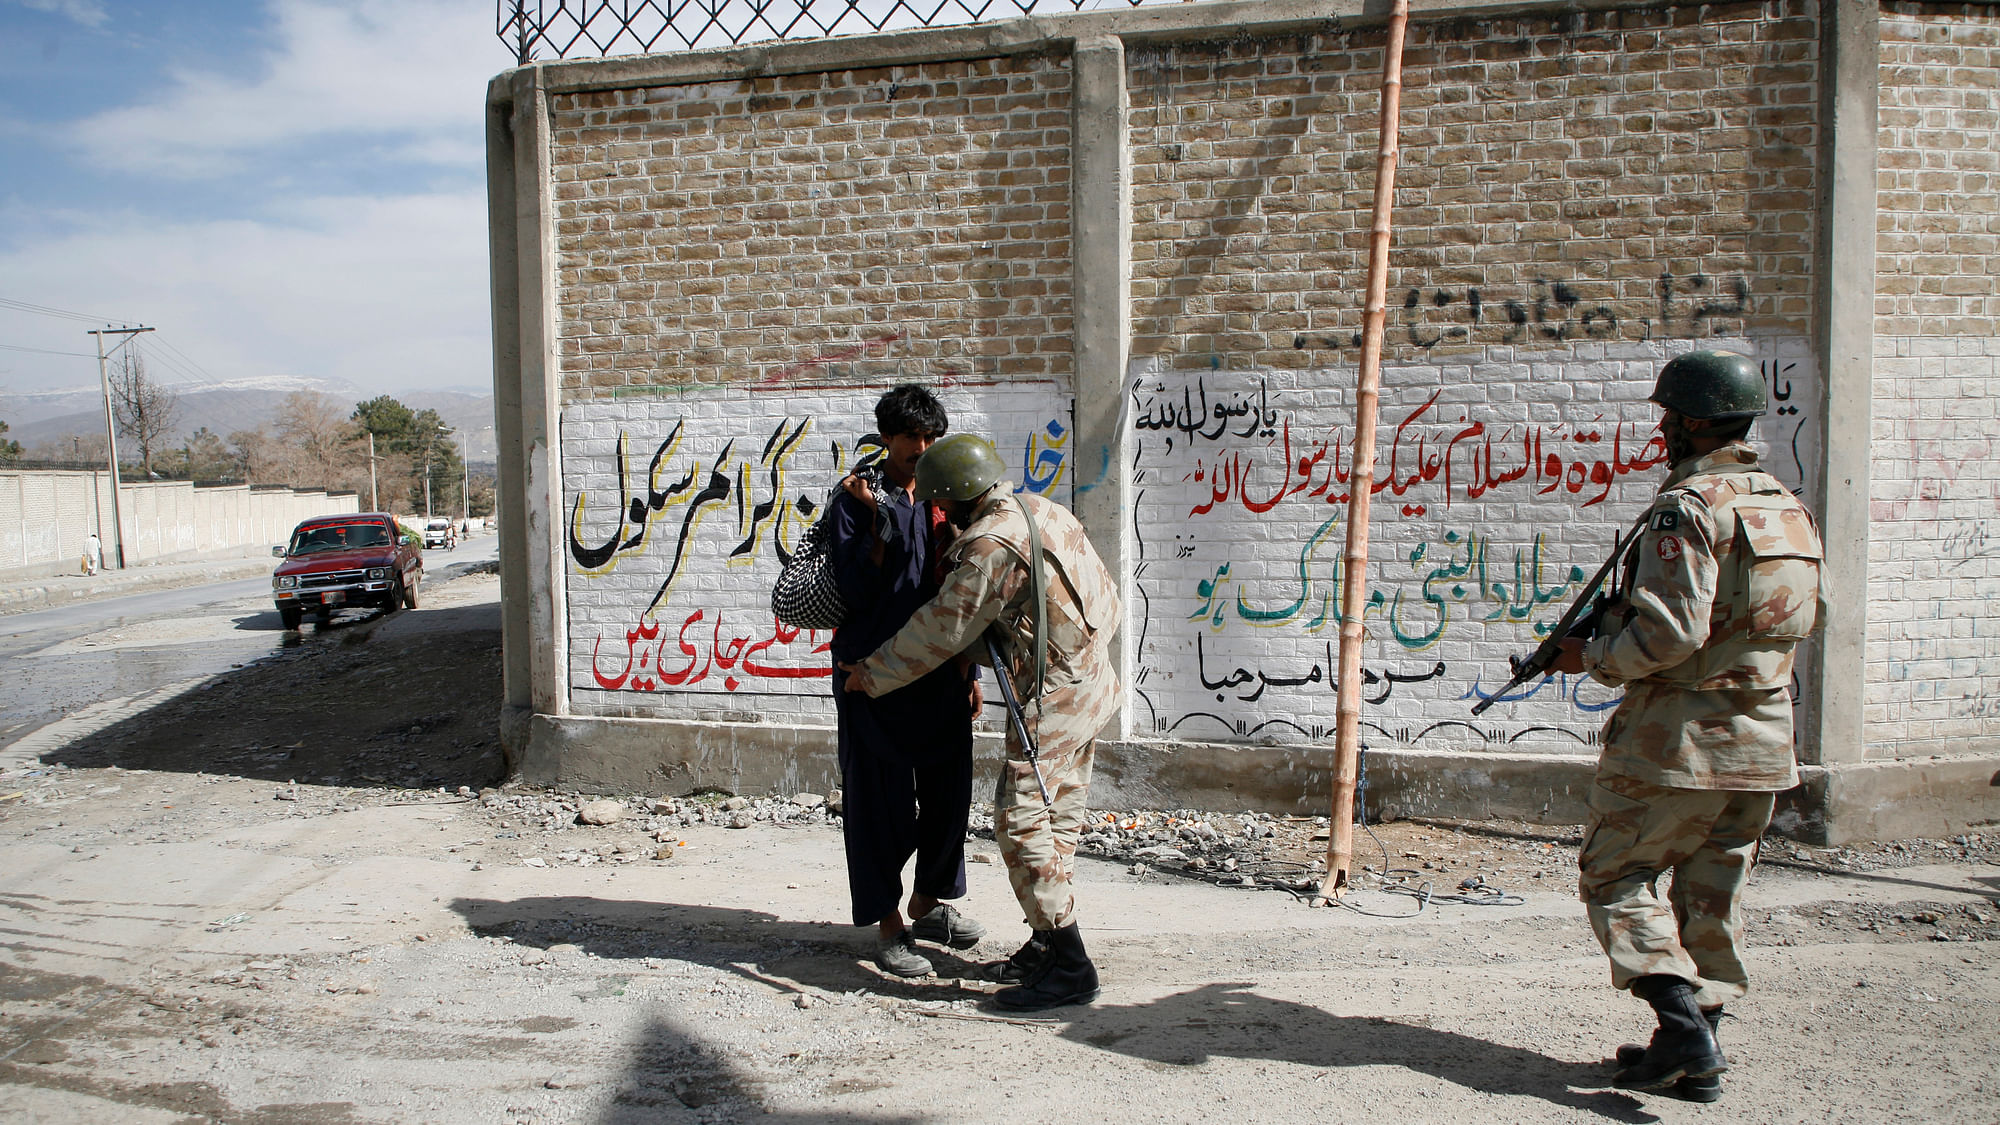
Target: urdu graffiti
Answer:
pixel 1690 306
pixel 1490 510
pixel 679 514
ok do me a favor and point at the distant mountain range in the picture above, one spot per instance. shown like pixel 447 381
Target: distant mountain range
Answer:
pixel 34 417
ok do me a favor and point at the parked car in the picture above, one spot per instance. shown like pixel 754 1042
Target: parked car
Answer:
pixel 334 562
pixel 441 533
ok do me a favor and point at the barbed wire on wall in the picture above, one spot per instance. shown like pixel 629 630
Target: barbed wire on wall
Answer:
pixel 562 29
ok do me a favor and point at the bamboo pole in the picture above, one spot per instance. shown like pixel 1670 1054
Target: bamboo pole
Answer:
pixel 1361 480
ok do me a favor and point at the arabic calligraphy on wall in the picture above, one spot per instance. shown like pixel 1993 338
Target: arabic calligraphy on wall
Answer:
pixel 1464 460
pixel 679 514
pixel 1556 312
pixel 1498 489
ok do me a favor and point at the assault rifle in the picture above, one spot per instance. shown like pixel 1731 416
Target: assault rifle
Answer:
pixel 1584 618
pixel 1028 748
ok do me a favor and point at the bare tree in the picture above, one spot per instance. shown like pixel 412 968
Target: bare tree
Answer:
pixel 257 455
pixel 145 410
pixel 319 442
pixel 75 449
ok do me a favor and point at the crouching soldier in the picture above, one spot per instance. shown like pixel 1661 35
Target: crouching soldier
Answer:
pixel 1053 624
pixel 1721 586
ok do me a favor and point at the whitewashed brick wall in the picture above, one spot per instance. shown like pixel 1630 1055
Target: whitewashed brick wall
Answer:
pixel 1501 487
pixel 669 572
pixel 1933 648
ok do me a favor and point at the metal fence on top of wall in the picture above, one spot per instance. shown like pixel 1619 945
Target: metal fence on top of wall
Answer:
pixel 564 29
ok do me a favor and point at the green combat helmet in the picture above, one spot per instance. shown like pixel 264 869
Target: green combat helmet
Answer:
pixel 1711 385
pixel 958 467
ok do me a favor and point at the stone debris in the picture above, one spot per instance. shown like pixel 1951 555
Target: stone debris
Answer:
pixel 1242 849
pixel 602 812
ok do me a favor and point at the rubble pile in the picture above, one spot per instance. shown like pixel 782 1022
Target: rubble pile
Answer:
pixel 659 820
pixel 1202 843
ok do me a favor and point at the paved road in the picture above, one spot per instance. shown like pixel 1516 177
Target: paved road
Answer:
pixel 59 661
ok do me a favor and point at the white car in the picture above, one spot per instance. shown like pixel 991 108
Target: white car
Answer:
pixel 440 533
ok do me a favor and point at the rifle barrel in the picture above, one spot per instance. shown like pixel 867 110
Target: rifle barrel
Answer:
pixel 1538 662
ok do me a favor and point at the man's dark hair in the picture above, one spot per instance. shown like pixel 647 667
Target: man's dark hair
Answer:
pixel 910 409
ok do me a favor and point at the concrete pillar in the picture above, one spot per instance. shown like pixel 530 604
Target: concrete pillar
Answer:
pixel 1101 273
pixel 1845 331
pixel 526 376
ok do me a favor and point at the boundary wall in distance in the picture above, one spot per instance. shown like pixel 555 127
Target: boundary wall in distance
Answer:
pixel 45 515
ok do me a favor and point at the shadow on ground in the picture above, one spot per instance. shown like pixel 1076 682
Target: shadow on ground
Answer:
pixel 1232 1021
pixel 672 1070
pixel 788 956
pixel 356 704
pixel 1186 1029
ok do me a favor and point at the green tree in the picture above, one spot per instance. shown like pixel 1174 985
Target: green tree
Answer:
pixel 416 456
pixel 10 451
pixel 390 421
pixel 208 458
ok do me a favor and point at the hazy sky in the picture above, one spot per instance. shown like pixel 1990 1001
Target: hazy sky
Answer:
pixel 280 187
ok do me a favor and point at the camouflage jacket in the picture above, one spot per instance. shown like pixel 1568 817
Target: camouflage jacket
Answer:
pixel 1719 589
pixel 989 585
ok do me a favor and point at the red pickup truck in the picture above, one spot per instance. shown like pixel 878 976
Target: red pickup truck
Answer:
pixel 334 562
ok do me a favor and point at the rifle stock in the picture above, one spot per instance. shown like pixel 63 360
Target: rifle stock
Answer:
pixel 1585 616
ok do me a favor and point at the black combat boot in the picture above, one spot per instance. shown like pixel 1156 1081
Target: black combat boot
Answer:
pixel 1707 1089
pixel 1683 1047
pixel 1024 962
pixel 1065 976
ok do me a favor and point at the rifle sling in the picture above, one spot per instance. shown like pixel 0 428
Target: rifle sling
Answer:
pixel 1038 590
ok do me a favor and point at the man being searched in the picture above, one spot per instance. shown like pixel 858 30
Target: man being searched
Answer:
pixel 1024 570
pixel 1720 587
pixel 905 758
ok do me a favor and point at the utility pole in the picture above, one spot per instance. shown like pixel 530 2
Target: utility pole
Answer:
pixel 464 487
pixel 111 427
pixel 1367 393
pixel 374 501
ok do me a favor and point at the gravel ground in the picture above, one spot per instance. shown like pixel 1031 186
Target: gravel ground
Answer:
pixel 301 893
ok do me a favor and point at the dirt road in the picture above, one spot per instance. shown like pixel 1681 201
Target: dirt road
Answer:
pixel 250 904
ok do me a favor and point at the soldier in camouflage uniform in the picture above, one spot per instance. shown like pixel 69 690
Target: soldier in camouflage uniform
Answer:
pixel 1064 706
pixel 1719 588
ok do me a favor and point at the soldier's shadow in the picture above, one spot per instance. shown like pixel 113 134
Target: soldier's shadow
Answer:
pixel 1231 1021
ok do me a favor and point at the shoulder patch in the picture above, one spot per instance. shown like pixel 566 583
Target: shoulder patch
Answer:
pixel 1666 521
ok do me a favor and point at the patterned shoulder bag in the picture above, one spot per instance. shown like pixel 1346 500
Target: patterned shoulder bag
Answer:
pixel 806 595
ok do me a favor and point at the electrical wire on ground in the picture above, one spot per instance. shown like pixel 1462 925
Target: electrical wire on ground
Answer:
pixel 1302 882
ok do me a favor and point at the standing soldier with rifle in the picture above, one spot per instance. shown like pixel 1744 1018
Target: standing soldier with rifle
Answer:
pixel 1023 569
pixel 1720 587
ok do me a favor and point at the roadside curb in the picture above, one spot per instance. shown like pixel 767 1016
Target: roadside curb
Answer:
pixel 75 589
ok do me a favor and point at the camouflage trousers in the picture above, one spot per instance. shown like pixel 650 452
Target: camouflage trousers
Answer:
pixel 1708 839
pixel 1037 842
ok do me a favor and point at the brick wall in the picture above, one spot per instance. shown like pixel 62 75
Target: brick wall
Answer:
pixel 899 222
pixel 1632 175
pixel 1578 199
pixel 1934 563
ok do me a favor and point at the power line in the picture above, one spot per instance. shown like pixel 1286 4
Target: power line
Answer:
pixel 44 351
pixel 46 310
